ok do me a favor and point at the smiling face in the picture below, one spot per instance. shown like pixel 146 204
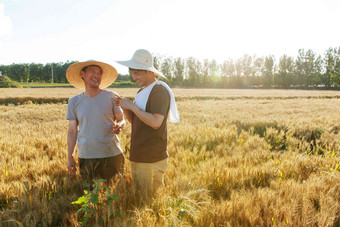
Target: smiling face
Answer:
pixel 92 76
pixel 143 77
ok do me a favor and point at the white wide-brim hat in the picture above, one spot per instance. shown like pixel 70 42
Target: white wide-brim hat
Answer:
pixel 109 74
pixel 142 60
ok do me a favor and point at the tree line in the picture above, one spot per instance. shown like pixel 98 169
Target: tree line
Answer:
pixel 307 70
pixel 41 73
pixel 36 72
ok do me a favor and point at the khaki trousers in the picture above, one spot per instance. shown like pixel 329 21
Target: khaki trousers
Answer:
pixel 148 177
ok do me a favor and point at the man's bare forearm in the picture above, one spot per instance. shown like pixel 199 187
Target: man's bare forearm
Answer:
pixel 129 108
pixel 152 120
pixel 71 143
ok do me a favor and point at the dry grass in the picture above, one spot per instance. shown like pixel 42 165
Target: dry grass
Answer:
pixel 179 92
pixel 53 92
pixel 263 161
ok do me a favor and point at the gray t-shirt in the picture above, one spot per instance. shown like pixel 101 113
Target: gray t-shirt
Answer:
pixel 95 139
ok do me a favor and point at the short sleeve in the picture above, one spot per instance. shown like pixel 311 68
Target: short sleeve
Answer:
pixel 116 109
pixel 159 100
pixel 71 112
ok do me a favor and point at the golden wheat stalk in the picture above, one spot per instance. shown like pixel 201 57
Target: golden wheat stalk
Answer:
pixel 108 116
pixel 115 124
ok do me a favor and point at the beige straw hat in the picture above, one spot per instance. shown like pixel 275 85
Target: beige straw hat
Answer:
pixel 143 60
pixel 73 74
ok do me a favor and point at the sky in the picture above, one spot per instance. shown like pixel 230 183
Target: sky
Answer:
pixel 44 31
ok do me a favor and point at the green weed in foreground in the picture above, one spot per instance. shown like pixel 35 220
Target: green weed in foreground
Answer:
pixel 93 199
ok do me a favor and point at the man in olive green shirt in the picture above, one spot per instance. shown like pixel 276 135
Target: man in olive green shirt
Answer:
pixel 148 116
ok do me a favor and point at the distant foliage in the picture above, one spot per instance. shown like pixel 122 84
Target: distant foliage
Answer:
pixel 308 70
pixel 7 82
pixel 37 72
pixel 123 84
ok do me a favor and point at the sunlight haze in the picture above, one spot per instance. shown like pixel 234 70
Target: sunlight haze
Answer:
pixel 56 31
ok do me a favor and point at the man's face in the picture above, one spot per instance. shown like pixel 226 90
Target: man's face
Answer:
pixel 142 77
pixel 92 76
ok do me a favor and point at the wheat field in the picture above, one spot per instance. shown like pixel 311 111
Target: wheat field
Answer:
pixel 237 158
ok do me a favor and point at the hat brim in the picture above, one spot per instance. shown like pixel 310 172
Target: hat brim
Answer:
pixel 135 65
pixel 109 74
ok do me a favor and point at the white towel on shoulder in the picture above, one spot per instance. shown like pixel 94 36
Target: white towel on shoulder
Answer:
pixel 142 98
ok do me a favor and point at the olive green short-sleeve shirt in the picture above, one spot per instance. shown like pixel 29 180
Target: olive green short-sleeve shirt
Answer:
pixel 147 144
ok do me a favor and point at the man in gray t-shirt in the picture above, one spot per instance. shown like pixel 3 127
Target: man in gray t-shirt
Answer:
pixel 94 122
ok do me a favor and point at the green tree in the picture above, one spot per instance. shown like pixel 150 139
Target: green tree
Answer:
pixel 166 69
pixel 227 72
pixel 64 67
pixel 36 71
pixel 157 61
pixel 214 68
pixel 285 72
pixel 257 72
pixel 179 67
pixel 5 69
pixel 228 68
pixel 46 75
pixel 315 67
pixel 332 68
pixel 308 68
pixel 268 72
pixel 58 72
pixel 209 72
pixel 300 69
pixel 26 73
pixel 244 67
pixel 19 72
pixel 194 72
